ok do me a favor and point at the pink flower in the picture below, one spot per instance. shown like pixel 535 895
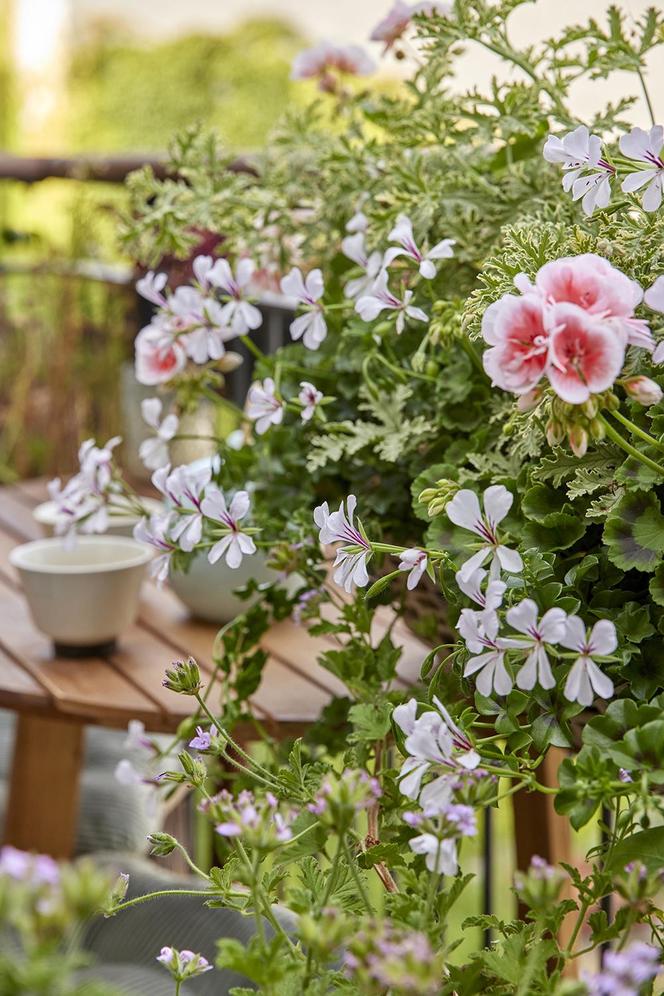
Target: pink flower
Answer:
pixel 585 355
pixel 325 59
pixel 592 283
pixel 393 25
pixel 515 329
pixel 159 357
pixel 644 390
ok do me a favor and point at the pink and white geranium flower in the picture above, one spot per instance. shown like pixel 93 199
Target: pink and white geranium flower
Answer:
pixel 235 544
pixel 585 355
pixel 311 327
pixel 587 174
pixel 398 19
pixel 325 60
pixel 464 510
pixel 645 147
pixel 151 286
pixel 380 297
pixel 585 680
pixel 415 562
pixel 154 451
pixel 403 234
pixel 370 263
pixel 184 488
pixel 352 557
pixel 159 355
pixel 524 618
pixel 237 313
pixel 310 398
pixel 514 327
pixel 263 406
pixel 154 532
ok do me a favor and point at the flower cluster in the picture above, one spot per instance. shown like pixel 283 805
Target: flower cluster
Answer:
pixel 265 407
pixel 33 869
pixel 589 170
pixel 624 973
pixel 382 956
pixel 183 964
pixel 258 821
pixel 327 63
pixel 89 498
pixel 194 322
pixel 194 505
pixel 340 797
pixel 391 28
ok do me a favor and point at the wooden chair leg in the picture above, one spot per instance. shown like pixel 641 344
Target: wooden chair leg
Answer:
pixel 42 810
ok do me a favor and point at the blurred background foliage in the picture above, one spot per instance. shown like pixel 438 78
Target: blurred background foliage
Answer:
pixel 65 329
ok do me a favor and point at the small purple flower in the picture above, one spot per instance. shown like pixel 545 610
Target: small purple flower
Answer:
pixel 203 738
pixel 625 776
pixel 624 972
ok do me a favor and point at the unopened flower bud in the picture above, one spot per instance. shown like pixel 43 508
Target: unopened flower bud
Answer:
pixel 578 440
pixel 554 433
pixel 612 402
pixel 590 407
pixel 529 400
pixel 644 390
pixel 230 361
pixel 162 844
pixel 597 430
pixel 184 677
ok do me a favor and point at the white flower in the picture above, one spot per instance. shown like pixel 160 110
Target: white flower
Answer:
pixel 235 544
pixel 263 406
pixel 587 174
pixel 549 629
pixel 585 678
pixel 654 298
pixel 136 738
pixel 154 532
pixel 339 527
pixel 309 397
pixel 159 356
pixel 354 248
pixel 416 562
pixel 126 773
pixel 370 305
pixel 199 323
pixel 150 287
pixel 311 326
pixel 645 147
pixel 480 631
pixel 403 234
pixel 184 487
pixel 238 313
pixel 358 223
pixel 464 510
pixel 441 855
pixel 154 451
pixel 490 599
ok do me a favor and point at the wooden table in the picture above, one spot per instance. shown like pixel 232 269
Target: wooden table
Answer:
pixel 56 698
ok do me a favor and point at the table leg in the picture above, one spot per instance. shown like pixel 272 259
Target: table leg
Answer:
pixel 42 810
pixel 538 828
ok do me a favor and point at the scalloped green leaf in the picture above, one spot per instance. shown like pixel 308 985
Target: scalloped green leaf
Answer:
pixel 634 534
pixel 545 505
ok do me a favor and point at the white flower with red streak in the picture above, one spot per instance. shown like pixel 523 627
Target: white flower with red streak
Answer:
pixel 398 19
pixel 464 510
pixel 151 286
pixel 480 631
pixel 352 557
pixel 585 680
pixel 310 398
pixel 654 299
pixel 354 248
pixel 415 562
pixel 524 618
pixel 154 532
pixel 184 488
pixel 263 406
pixel 237 312
pixel 380 298
pixel 471 585
pixel 235 544
pixel 154 451
pixel 310 327
pixel 403 234
pixel 645 147
pixel 159 355
pixel 587 174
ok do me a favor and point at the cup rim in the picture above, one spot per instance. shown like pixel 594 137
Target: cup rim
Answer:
pixel 45 514
pixel 142 555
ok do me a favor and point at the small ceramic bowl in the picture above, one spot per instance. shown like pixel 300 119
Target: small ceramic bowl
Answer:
pixel 82 596
pixel 120 523
pixel 207 589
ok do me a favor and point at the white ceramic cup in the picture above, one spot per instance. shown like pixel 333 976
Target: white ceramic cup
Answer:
pixel 119 522
pixel 82 595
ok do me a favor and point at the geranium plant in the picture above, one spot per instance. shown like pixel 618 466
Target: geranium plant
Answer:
pixel 471 401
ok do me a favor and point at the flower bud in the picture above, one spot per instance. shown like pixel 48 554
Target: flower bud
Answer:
pixel 230 361
pixel 184 677
pixel 554 433
pixel 162 844
pixel 540 886
pixel 590 407
pixel 597 430
pixel 578 440
pixel 644 390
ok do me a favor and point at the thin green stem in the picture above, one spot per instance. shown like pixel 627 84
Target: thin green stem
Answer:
pixel 357 877
pixel 638 431
pixel 646 95
pixel 255 350
pixel 615 437
pixel 155 895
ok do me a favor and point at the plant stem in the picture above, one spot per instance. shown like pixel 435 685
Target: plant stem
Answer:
pixel 646 95
pixel 628 448
pixel 638 431
pixel 255 351
pixel 357 877
pixel 155 895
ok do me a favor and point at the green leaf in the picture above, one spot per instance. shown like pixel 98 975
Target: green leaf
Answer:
pixel 371 720
pixel 646 846
pixel 656 586
pixel 634 535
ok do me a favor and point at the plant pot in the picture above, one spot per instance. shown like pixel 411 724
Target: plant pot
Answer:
pixel 207 589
